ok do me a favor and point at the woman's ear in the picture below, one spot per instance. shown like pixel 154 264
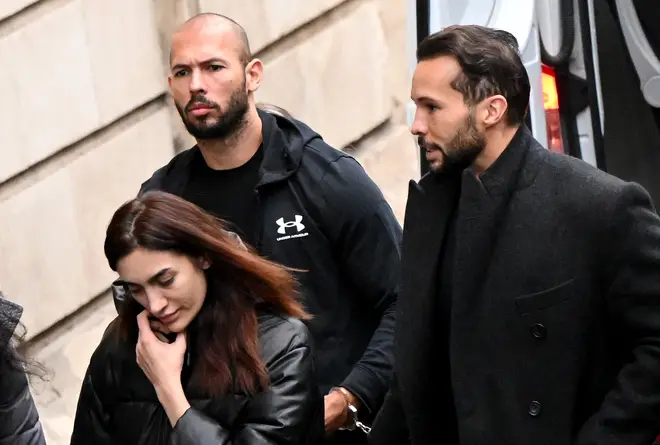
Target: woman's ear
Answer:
pixel 237 239
pixel 204 263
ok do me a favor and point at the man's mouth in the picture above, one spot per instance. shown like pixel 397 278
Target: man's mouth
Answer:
pixel 199 106
pixel 424 145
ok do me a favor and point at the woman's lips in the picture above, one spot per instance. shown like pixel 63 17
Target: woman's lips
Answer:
pixel 169 318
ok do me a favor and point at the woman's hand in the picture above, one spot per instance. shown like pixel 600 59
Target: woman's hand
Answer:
pixel 162 364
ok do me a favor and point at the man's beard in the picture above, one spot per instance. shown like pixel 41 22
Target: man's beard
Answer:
pixel 229 122
pixel 462 150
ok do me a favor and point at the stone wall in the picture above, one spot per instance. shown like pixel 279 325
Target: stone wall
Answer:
pixel 86 118
pixel 84 121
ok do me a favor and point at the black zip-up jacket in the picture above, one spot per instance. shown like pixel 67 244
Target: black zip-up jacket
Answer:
pixel 319 211
pixel 118 404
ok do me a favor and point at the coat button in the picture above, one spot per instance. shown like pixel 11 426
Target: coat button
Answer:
pixel 534 408
pixel 538 330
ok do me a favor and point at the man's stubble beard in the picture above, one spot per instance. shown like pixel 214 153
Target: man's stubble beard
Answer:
pixel 229 122
pixel 464 149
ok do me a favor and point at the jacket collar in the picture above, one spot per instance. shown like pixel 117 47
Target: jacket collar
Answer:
pixel 284 141
pixel 482 208
pixel 479 208
pixel 283 145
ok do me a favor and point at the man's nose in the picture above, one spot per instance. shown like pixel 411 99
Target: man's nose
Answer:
pixel 419 127
pixel 197 82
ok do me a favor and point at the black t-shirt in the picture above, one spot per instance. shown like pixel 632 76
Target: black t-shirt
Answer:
pixel 227 194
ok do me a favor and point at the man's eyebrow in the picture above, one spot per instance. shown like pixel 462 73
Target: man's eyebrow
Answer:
pixel 204 62
pixel 424 99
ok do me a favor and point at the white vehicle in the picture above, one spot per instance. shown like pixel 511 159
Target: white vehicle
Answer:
pixel 594 68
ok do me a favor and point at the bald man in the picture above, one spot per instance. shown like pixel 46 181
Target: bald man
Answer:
pixel 297 201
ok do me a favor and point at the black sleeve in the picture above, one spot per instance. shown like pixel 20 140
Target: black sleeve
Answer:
pixel 367 237
pixel 19 419
pixel 630 413
pixel 390 426
pixel 92 423
pixel 288 413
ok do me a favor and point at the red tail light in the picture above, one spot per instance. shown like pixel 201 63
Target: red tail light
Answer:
pixel 551 107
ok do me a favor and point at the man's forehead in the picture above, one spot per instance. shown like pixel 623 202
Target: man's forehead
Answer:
pixel 221 36
pixel 440 70
pixel 432 80
pixel 203 45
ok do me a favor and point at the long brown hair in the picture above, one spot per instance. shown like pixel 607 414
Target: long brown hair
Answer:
pixel 226 328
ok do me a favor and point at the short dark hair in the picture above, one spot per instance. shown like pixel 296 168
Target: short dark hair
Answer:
pixel 490 64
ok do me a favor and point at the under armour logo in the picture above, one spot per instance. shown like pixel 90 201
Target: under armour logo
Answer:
pixel 297 223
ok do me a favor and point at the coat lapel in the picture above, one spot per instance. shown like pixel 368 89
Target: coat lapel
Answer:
pixel 428 210
pixel 482 208
pixel 430 205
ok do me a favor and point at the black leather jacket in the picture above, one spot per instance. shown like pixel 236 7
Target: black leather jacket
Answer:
pixel 19 419
pixel 118 405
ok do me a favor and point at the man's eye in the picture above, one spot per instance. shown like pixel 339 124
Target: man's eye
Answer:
pixel 215 67
pixel 180 73
pixel 167 282
pixel 134 290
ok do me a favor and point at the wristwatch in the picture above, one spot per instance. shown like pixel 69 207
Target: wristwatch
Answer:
pixel 352 421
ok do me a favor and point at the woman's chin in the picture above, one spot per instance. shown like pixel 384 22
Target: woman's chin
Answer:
pixel 177 327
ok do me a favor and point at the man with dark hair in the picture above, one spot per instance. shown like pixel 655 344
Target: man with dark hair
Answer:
pixel 530 302
pixel 298 202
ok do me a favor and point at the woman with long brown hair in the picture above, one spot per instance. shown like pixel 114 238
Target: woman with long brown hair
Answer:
pixel 209 348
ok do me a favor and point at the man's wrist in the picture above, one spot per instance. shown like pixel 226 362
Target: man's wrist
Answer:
pixel 348 396
pixel 351 407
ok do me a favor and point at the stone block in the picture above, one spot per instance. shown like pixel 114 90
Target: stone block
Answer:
pixel 170 14
pixel 9 7
pixel 267 20
pixel 335 80
pixel 124 55
pixel 48 99
pixel 393 16
pixel 392 160
pixel 70 72
pixel 52 238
